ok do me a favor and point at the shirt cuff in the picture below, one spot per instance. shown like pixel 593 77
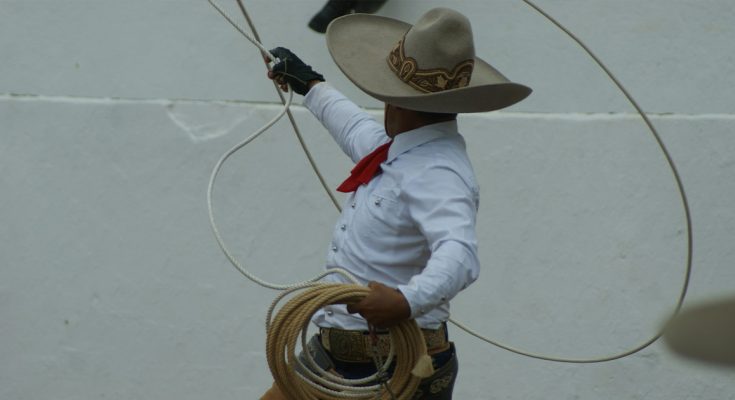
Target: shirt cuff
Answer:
pixel 422 301
pixel 441 280
pixel 313 97
pixel 412 294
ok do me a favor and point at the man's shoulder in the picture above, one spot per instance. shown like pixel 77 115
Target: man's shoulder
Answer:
pixel 425 167
pixel 445 152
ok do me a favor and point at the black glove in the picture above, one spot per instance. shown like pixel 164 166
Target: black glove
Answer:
pixel 294 71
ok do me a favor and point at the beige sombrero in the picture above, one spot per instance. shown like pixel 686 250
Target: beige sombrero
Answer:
pixel 430 66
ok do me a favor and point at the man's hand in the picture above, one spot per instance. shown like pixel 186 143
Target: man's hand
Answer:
pixel 383 307
pixel 290 69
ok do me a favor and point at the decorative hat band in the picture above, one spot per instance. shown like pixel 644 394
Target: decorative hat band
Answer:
pixel 428 80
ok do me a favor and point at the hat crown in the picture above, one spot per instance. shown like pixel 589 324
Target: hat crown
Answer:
pixel 441 39
pixel 436 54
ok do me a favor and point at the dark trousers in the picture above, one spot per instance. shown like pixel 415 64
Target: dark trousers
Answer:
pixel 438 386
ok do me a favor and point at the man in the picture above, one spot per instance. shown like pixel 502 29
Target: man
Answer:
pixel 408 227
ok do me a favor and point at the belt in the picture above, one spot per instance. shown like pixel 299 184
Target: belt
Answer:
pixel 357 346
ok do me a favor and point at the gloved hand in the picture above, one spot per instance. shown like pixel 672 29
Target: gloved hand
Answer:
pixel 291 69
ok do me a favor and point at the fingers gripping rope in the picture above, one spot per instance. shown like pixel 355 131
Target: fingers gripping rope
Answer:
pixel 310 283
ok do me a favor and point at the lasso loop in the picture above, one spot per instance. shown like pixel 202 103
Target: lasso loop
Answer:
pixel 311 282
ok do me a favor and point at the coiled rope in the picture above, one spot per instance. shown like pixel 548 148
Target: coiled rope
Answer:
pixel 299 381
pixel 288 341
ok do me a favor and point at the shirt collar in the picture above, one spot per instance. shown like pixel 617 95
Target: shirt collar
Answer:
pixel 406 141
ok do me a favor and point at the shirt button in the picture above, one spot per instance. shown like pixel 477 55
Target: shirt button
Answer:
pixel 377 202
pixel 330 312
pixel 343 227
pixel 334 249
pixel 444 299
pixel 353 205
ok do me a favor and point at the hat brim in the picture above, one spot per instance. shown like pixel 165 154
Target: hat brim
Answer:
pixel 359 45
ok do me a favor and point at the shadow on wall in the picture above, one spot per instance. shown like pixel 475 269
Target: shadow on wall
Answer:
pixel 705 332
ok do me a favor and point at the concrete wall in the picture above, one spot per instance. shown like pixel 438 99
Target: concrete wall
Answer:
pixel 113 113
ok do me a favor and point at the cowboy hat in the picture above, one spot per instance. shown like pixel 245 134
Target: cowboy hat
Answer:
pixel 430 66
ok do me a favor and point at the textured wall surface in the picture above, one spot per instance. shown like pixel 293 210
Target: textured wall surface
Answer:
pixel 113 113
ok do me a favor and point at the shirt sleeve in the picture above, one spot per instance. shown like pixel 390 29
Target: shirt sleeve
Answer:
pixel 444 208
pixel 356 132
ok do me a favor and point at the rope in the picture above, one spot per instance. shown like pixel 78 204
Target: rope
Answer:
pixel 288 340
pixel 300 381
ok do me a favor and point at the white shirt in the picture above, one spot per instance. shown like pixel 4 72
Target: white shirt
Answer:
pixel 413 226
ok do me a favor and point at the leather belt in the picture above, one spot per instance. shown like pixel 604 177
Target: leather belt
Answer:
pixel 357 346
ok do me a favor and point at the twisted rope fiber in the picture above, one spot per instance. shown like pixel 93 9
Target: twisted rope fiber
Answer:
pixel 291 322
pixel 282 330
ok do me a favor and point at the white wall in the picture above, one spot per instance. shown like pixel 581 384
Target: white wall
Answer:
pixel 113 113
